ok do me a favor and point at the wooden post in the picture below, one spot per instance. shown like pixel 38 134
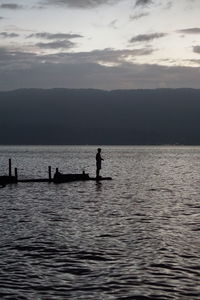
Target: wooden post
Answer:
pixel 10 167
pixel 16 175
pixel 50 178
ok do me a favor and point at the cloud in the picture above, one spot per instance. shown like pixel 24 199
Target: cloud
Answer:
pixel 195 30
pixel 147 37
pixel 143 2
pixel 60 44
pixel 8 35
pixel 90 75
pixel 107 56
pixel 138 16
pixel 196 49
pixel 113 23
pixel 13 60
pixel 10 6
pixel 54 36
pixel 163 4
pixel 15 28
pixel 80 3
pixel 59 40
pixel 82 70
pixel 194 61
pixel 168 5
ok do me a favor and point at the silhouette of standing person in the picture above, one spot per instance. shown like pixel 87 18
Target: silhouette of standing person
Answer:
pixel 98 162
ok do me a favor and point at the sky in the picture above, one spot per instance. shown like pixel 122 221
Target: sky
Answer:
pixel 101 44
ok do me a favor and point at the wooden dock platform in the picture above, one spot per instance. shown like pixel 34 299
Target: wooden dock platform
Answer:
pixel 57 178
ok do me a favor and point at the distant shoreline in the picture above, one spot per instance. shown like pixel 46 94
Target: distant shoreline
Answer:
pixel 97 145
pixel 93 117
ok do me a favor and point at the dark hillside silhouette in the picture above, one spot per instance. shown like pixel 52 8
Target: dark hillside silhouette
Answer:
pixel 64 116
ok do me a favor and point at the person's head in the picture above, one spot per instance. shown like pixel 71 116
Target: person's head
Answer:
pixel 99 150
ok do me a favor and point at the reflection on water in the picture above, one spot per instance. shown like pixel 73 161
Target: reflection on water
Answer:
pixel 136 237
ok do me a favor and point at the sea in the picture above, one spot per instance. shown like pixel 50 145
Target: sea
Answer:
pixel 134 237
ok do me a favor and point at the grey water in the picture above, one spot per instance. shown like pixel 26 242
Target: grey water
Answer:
pixel 135 237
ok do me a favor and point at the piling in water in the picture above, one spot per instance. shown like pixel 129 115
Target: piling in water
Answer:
pixel 50 177
pixel 10 167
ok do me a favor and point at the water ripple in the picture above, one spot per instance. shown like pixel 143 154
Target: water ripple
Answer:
pixel 136 237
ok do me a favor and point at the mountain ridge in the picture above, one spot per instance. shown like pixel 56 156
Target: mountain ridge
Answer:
pixel 89 116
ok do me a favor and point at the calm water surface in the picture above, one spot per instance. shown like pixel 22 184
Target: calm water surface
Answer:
pixel 136 237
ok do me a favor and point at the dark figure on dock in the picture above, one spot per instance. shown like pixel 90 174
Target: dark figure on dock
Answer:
pixel 57 174
pixel 98 162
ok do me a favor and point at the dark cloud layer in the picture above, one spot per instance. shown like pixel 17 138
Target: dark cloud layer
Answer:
pixel 10 6
pixel 80 3
pixel 195 30
pixel 82 70
pixel 147 37
pixel 91 3
pixel 62 44
pixel 11 59
pixel 54 36
pixel 143 2
pixel 194 61
pixel 87 75
pixel 196 49
pixel 8 35
pixel 138 16
pixel 105 56
pixel 58 40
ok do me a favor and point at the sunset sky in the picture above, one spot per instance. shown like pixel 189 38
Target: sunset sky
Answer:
pixel 104 44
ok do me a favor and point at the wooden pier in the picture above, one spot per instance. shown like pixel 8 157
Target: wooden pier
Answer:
pixel 57 178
